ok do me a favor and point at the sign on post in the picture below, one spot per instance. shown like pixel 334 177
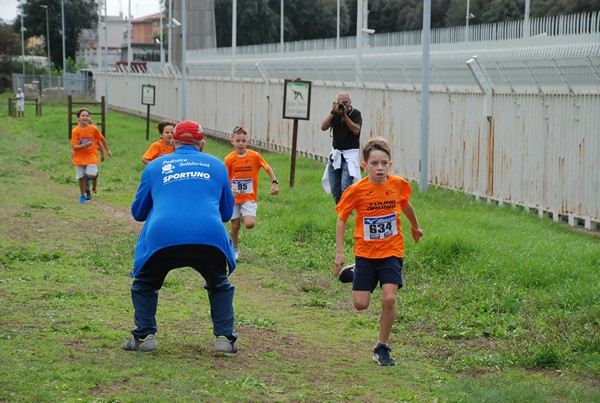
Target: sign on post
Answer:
pixel 296 105
pixel 148 98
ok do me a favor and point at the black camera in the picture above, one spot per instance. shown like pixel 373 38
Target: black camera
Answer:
pixel 341 107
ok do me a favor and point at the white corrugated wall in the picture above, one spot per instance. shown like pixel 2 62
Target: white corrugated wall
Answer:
pixel 539 150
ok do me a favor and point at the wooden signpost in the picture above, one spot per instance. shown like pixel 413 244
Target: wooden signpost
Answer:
pixel 148 98
pixel 296 105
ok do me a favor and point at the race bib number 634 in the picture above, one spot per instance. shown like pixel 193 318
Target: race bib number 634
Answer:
pixel 376 228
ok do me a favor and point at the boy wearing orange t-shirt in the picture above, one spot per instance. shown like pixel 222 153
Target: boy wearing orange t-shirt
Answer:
pixel 86 140
pixel 378 200
pixel 243 166
pixel 164 145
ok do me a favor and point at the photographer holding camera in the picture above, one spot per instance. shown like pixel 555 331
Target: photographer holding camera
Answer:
pixel 343 166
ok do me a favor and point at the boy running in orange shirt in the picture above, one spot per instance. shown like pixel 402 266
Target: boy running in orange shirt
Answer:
pixel 379 248
pixel 243 166
pixel 86 140
pixel 162 146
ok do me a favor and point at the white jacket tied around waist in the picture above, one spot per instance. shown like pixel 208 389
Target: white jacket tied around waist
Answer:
pixel 352 156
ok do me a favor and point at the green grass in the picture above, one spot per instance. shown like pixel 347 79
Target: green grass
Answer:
pixel 498 305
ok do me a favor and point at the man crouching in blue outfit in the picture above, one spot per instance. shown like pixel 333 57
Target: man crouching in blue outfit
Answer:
pixel 184 197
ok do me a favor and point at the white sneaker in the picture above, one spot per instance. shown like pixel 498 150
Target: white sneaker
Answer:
pixel 237 254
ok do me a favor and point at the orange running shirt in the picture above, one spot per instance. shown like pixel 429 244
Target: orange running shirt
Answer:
pixel 157 149
pixel 378 232
pixel 243 174
pixel 86 156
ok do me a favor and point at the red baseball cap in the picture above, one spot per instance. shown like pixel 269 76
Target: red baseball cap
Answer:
pixel 188 127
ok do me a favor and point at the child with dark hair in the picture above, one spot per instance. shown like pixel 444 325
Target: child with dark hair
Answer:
pixel 164 145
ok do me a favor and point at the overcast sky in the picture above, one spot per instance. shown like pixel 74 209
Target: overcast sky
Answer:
pixel 139 8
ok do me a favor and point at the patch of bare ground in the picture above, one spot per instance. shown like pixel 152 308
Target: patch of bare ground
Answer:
pixel 257 345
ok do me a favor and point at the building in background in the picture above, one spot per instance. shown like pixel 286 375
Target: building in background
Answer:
pixel 145 48
pixel 201 34
pixel 144 30
pixel 92 51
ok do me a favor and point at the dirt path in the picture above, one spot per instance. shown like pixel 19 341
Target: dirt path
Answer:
pixel 300 335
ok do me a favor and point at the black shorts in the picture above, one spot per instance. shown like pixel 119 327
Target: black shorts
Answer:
pixel 369 272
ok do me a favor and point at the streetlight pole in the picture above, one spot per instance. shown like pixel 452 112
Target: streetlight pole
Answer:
pixel 183 60
pixel 23 48
pixel 106 55
pixel 468 16
pixel 424 146
pixel 129 55
pixel 48 43
pixel 337 35
pixel 162 51
pixel 62 8
pixel 281 28
pixel 359 39
pixel 526 20
pixel 233 36
pixel 170 37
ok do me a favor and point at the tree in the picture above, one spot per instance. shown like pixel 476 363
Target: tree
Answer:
pixel 256 22
pixel 314 22
pixel 503 10
pixel 544 8
pixel 259 20
pixel 10 44
pixel 457 12
pixel 79 15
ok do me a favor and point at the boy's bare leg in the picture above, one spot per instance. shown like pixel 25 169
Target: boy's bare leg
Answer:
pixel 82 185
pixel 361 299
pixel 249 221
pixel 388 311
pixel 235 231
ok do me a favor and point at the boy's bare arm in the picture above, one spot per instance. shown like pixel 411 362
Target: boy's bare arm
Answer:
pixel 415 229
pixel 274 183
pixel 340 231
pixel 105 145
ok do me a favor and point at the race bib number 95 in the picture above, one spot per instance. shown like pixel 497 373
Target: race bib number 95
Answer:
pixel 243 185
pixel 380 227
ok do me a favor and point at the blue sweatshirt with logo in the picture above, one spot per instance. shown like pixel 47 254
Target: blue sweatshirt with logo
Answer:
pixel 184 198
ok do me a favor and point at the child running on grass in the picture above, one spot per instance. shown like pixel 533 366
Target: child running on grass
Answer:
pixel 91 185
pixel 243 166
pixel 164 145
pixel 86 140
pixel 378 200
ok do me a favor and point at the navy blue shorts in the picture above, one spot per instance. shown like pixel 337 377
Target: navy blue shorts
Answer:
pixel 369 272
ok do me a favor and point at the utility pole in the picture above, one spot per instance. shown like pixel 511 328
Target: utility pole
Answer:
pixel 23 49
pixel 48 43
pixel 62 7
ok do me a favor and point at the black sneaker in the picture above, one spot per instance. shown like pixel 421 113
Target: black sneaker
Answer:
pixel 381 355
pixel 347 274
